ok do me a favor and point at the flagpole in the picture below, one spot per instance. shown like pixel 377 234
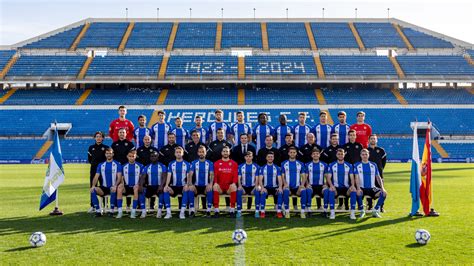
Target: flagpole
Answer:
pixel 432 210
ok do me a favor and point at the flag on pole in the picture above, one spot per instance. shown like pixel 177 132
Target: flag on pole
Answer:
pixel 425 188
pixel 54 174
pixel 415 177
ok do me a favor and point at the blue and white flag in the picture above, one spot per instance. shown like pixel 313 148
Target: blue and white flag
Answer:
pixel 54 174
pixel 415 178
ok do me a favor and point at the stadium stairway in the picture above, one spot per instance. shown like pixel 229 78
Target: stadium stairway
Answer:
pixel 241 96
pixel 359 41
pixel 9 65
pixel 264 36
pixel 79 37
pixel 85 67
pixel 442 152
pixel 126 36
pixel 163 67
pixel 218 43
pixel 469 59
pixel 399 96
pixel 404 37
pixel 397 67
pixel 319 67
pixel 7 95
pixel 174 30
pixel 44 148
pixel 83 97
pixel 311 39
pixel 241 67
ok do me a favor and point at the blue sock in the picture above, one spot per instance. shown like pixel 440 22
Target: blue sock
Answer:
pixel 326 198
pixel 94 200
pixel 184 199
pixel 142 200
pixel 360 204
pixel 119 203
pixel 239 199
pixel 135 204
pixel 113 200
pixel 257 200
pixel 161 201
pixel 167 200
pixel 286 199
pixel 263 201
pixel 303 199
pixel 279 200
pixel 353 200
pixel 209 198
pixel 191 198
pixel 332 199
pixel 309 198
pixel 380 201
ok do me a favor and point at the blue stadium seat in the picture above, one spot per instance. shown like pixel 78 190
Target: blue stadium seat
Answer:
pixel 122 97
pixel 280 96
pixel 5 56
pixel 103 34
pixel 132 65
pixel 280 65
pixel 241 35
pixel 422 40
pixel 345 95
pixel 202 65
pixel 401 148
pixel 437 96
pixel 150 35
pixel 62 40
pixel 19 149
pixel 47 65
pixel 199 96
pixel 358 65
pixel 195 35
pixel 459 150
pixel 44 97
pixel 375 35
pixel 435 65
pixel 287 35
pixel 333 35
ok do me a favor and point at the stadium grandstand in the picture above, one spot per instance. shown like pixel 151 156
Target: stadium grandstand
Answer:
pixel 78 75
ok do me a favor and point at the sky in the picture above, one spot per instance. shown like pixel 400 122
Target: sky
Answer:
pixel 23 19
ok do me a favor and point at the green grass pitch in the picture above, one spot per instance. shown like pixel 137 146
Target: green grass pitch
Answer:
pixel 78 238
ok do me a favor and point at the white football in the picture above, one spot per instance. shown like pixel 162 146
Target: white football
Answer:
pixel 422 236
pixel 37 239
pixel 239 236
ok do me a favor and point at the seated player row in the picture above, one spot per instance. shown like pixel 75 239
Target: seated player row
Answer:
pixel 225 176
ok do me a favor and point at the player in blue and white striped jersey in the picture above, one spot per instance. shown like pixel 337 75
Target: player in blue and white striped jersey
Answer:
pixel 160 130
pixel 202 131
pixel 316 172
pixel 342 128
pixel 292 173
pixel 281 131
pixel 130 184
pixel 111 173
pixel 340 180
pixel 152 181
pixel 366 175
pixel 269 183
pixel 219 123
pixel 182 135
pixel 240 128
pixel 201 178
pixel 261 131
pixel 177 184
pixel 141 131
pixel 248 173
pixel 300 131
pixel 322 131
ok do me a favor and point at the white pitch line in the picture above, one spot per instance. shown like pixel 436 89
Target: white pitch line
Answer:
pixel 239 258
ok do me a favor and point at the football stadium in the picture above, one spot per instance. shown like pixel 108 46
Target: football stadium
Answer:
pixel 166 140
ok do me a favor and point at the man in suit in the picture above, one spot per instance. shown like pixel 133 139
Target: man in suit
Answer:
pixel 239 151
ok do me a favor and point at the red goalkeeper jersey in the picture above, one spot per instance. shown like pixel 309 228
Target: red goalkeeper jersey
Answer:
pixel 225 172
pixel 363 132
pixel 118 124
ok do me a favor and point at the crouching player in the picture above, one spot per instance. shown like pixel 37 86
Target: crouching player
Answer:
pixel 130 184
pixel 366 174
pixel 269 183
pixel 225 181
pixel 316 172
pixel 294 179
pixel 248 174
pixel 176 182
pixel 202 173
pixel 340 179
pixel 111 173
pixel 152 181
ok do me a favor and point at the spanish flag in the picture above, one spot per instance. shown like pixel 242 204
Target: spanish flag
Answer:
pixel 425 188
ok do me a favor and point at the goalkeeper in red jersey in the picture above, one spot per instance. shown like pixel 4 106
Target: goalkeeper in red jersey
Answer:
pixel 225 181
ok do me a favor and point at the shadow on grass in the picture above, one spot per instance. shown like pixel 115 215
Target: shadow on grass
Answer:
pixel 434 170
pixel 414 245
pixel 19 249
pixel 227 245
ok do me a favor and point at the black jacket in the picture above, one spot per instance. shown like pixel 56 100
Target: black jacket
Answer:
pixel 192 151
pixel 121 149
pixel 329 154
pixel 239 157
pixel 143 154
pixel 96 154
pixel 379 157
pixel 215 149
pixel 352 152
pixel 167 153
pixel 262 156
pixel 304 155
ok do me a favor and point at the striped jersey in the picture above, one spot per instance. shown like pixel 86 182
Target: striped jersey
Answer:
pixel 247 174
pixel 366 173
pixel 316 172
pixel 292 171
pixel 182 135
pixel 239 129
pixel 201 172
pixel 270 174
pixel 342 131
pixel 138 135
pixel 154 173
pixel 300 133
pixel 214 126
pixel 131 173
pixel 323 135
pixel 260 132
pixel 179 172
pixel 340 174
pixel 159 134
pixel 108 171
pixel 280 134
